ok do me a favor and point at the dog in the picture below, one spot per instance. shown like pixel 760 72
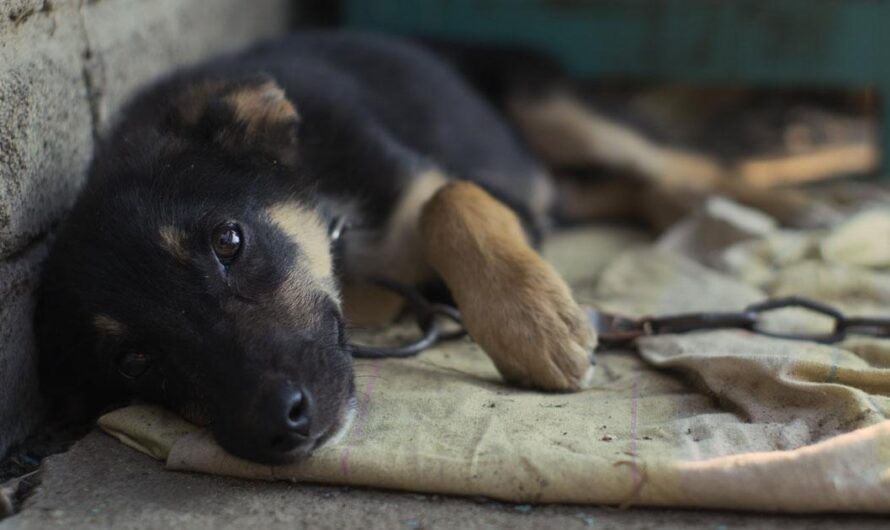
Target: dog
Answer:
pixel 195 270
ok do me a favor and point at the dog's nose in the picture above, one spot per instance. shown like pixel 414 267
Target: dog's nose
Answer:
pixel 291 417
pixel 298 403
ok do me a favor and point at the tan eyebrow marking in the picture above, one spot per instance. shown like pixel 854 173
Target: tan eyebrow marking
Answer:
pixel 260 106
pixel 305 228
pixel 109 326
pixel 173 242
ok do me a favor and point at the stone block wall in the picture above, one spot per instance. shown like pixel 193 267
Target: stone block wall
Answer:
pixel 66 67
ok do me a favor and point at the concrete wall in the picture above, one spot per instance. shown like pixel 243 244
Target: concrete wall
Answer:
pixel 66 66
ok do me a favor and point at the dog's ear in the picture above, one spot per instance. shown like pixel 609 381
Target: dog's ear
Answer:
pixel 252 116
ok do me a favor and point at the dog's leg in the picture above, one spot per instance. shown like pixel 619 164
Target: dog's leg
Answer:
pixel 513 303
pixel 564 131
pixel 659 207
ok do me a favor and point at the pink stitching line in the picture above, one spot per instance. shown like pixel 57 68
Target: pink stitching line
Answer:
pixel 361 422
pixel 635 396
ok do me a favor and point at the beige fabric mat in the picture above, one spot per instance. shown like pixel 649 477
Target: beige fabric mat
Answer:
pixel 722 419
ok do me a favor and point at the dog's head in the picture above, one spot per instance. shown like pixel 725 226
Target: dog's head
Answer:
pixel 195 272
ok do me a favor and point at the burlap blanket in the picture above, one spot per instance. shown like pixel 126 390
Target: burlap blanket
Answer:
pixel 722 419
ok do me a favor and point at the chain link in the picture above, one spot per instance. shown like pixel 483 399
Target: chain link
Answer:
pixel 615 330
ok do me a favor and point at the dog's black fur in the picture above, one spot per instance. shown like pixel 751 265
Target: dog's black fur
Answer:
pixel 141 297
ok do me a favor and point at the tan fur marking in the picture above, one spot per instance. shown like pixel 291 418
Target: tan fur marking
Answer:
pixel 661 207
pixel 306 229
pixel 193 101
pixel 399 255
pixel 816 165
pixel 513 303
pixel 173 242
pixel 109 326
pixel 261 106
pixel 564 131
pixel 402 251
pixel 365 304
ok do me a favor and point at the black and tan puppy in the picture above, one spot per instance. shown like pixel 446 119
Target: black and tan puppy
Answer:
pixel 196 271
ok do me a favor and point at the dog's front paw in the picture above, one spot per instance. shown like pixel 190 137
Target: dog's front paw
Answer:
pixel 512 302
pixel 531 327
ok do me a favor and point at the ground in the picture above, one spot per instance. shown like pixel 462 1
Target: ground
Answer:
pixel 101 483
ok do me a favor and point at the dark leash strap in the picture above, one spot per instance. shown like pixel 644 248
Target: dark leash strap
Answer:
pixel 616 331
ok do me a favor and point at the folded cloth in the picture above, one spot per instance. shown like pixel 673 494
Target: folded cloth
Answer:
pixel 718 419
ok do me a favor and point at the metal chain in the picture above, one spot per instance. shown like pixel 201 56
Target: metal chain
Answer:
pixel 427 315
pixel 616 330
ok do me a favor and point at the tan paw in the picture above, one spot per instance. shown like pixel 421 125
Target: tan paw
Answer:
pixel 513 303
pixel 532 329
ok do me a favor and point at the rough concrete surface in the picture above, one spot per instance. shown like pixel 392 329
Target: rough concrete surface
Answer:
pixel 45 125
pixel 132 42
pixel 66 67
pixel 45 143
pixel 103 484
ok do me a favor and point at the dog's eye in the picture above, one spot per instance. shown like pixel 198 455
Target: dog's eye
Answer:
pixel 226 241
pixel 132 364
